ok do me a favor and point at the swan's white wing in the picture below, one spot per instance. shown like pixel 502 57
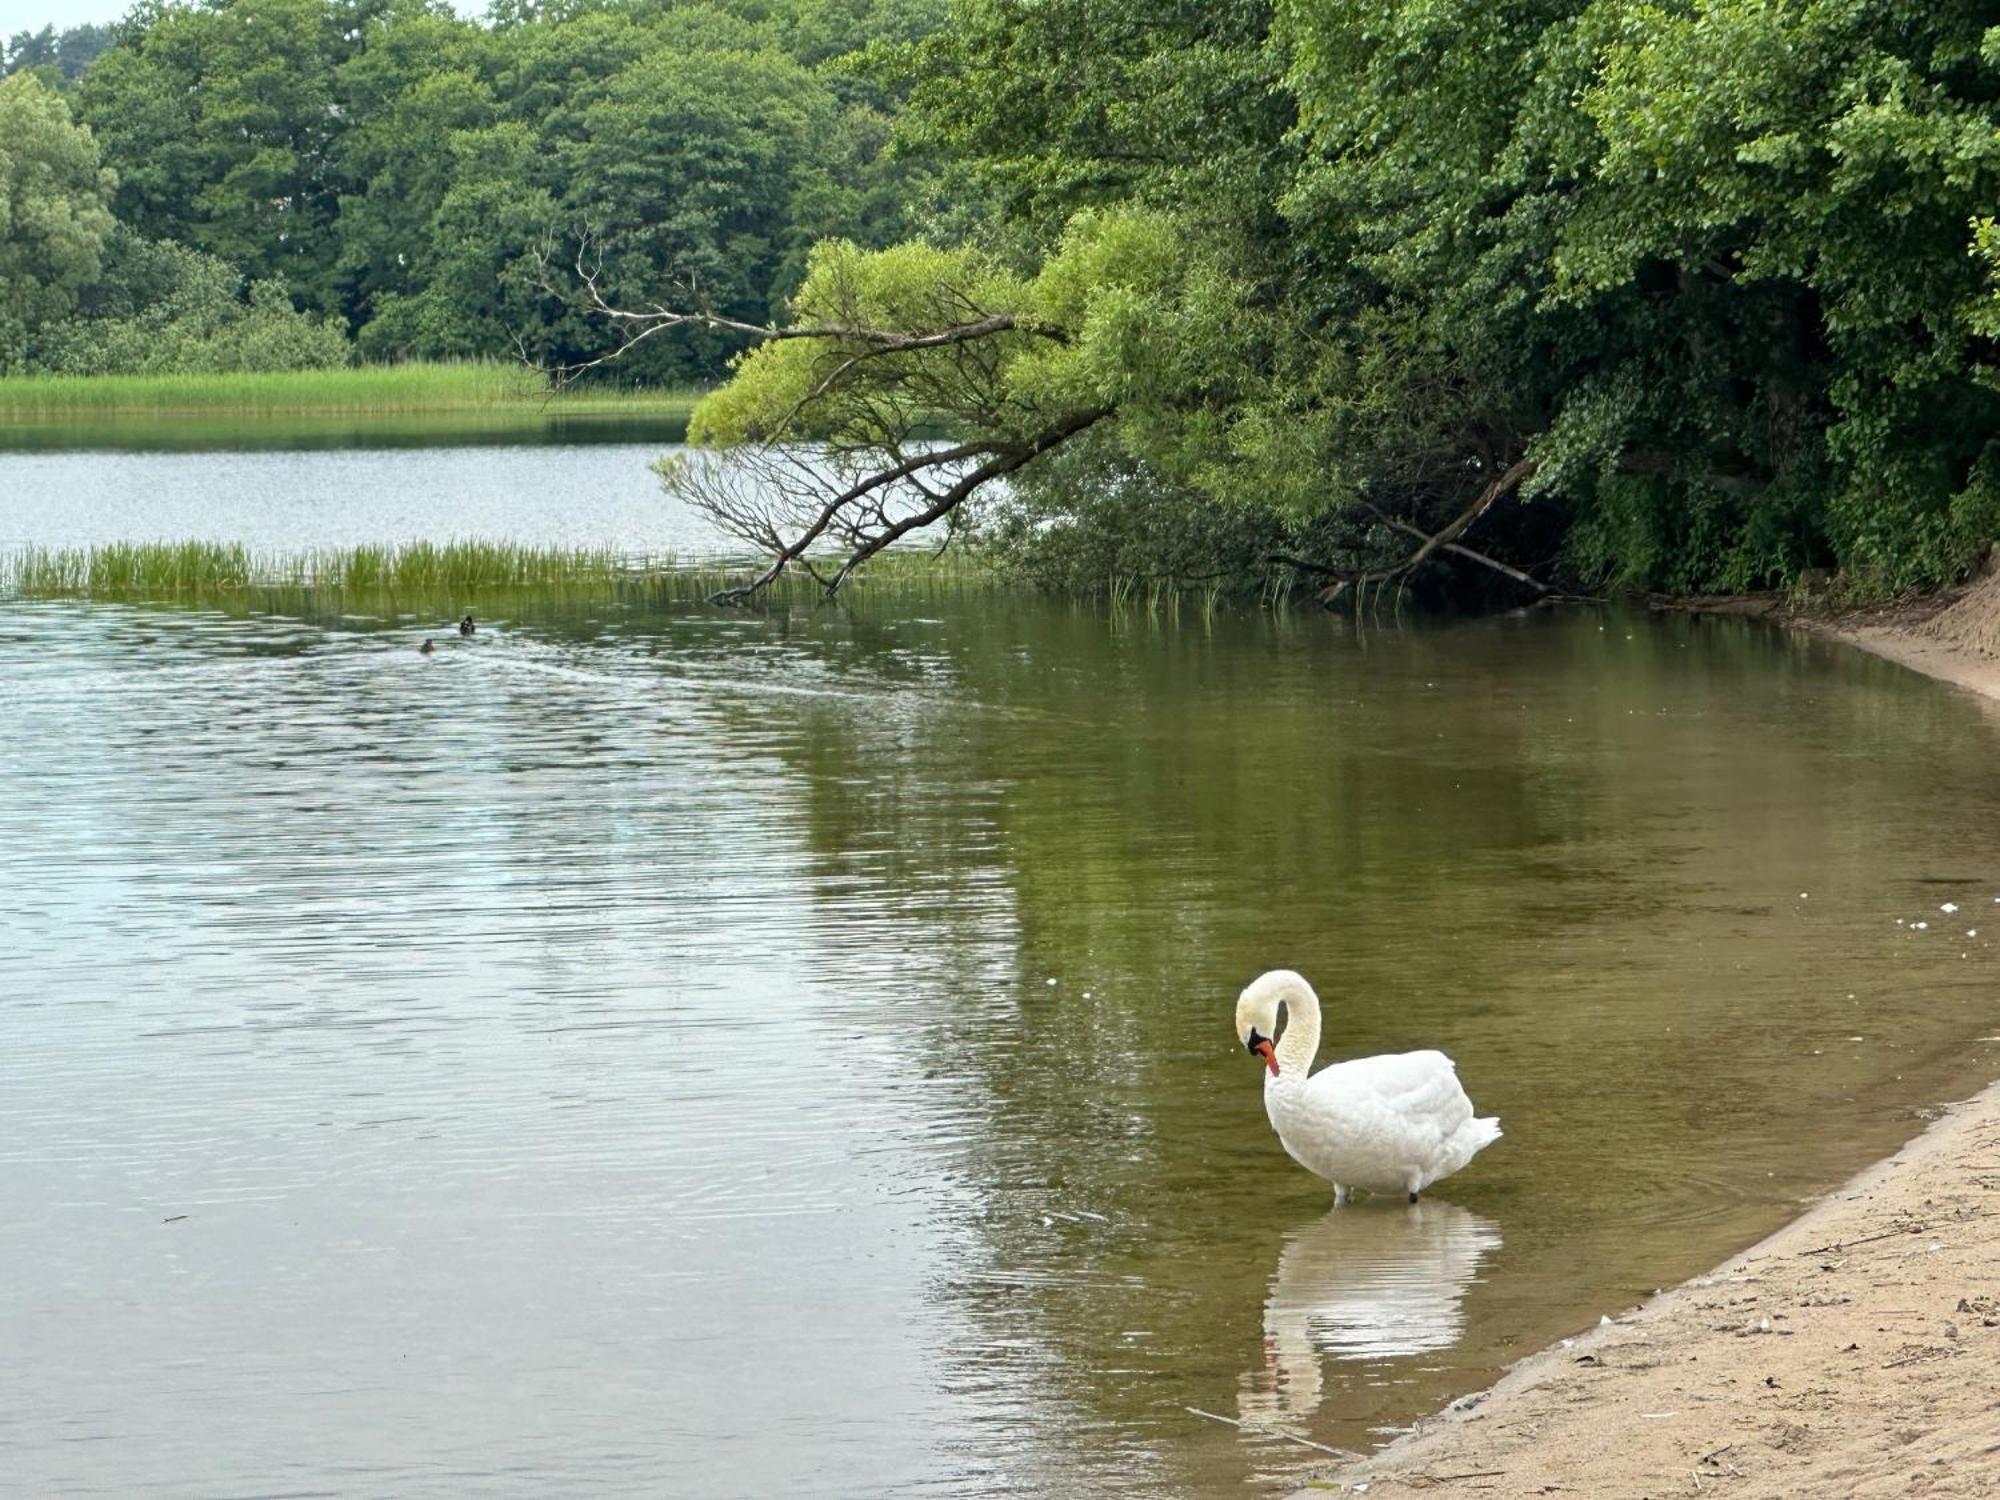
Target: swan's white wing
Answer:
pixel 1420 1088
pixel 1389 1122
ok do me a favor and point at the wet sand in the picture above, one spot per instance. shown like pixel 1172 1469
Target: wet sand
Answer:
pixel 1855 1352
pixel 1923 653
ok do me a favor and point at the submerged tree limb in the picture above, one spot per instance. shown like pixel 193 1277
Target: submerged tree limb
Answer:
pixel 1444 539
pixel 1458 549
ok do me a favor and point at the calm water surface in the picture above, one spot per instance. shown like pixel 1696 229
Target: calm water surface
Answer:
pixel 295 500
pixel 647 1051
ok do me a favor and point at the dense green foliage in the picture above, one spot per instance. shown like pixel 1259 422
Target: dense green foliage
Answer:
pixel 1722 248
pixel 66 53
pixel 429 181
pixel 1686 295
pixel 81 294
pixel 161 308
pixel 1690 294
pixel 53 219
pixel 425 185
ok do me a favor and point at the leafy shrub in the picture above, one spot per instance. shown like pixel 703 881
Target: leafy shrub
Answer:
pixel 162 308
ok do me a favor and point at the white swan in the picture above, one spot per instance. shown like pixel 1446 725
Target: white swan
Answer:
pixel 1393 1124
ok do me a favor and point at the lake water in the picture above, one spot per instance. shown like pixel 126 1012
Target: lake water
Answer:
pixel 536 494
pixel 657 1050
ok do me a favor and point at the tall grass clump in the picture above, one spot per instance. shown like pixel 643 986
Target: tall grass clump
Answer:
pixel 441 576
pixel 463 567
pixel 360 389
pixel 129 570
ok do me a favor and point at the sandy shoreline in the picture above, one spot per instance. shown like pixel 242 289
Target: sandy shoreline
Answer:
pixel 1856 1351
pixel 1920 653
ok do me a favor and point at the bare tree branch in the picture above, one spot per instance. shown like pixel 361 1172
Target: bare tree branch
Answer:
pixel 869 484
pixel 1411 529
pixel 635 325
pixel 830 516
pixel 1446 536
pixel 997 467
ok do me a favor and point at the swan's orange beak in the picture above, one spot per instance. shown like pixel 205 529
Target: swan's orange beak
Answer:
pixel 1269 1053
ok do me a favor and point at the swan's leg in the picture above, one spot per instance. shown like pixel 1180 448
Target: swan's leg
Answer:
pixel 1339 1195
pixel 1415 1184
pixel 1413 1195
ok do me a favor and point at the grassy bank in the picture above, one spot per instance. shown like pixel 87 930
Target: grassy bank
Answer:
pixel 367 390
pixel 430 577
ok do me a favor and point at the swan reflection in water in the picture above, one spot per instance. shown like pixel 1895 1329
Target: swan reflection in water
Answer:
pixel 1363 1284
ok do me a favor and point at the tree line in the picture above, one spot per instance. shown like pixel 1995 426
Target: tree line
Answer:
pixel 1566 294
pixel 68 52
pixel 1690 296
pixel 400 175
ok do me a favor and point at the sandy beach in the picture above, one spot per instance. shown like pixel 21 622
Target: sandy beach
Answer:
pixel 1954 638
pixel 1855 1352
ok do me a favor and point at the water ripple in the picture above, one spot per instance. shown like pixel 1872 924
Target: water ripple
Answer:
pixel 721 1055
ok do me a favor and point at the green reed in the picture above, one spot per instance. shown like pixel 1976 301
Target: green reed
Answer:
pixel 128 570
pixel 360 389
pixel 439 576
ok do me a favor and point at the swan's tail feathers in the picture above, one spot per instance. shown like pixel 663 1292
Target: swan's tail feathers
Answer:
pixel 1471 1138
pixel 1464 1143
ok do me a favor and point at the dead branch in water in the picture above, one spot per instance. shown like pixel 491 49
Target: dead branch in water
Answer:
pixel 1445 538
pixel 1304 1442
pixel 1458 549
pixel 873 513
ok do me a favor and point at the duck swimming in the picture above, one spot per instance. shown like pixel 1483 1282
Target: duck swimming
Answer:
pixel 428 646
pixel 1392 1124
pixel 466 627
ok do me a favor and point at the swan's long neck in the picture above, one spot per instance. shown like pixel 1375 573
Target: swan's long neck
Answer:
pixel 1300 1043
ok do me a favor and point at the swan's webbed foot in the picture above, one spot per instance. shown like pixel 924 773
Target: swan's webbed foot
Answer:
pixel 1413 1195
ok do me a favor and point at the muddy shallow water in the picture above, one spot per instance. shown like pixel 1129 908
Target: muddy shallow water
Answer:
pixel 619 1054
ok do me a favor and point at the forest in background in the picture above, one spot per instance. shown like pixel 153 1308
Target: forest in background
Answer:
pixel 1686 296
pixel 393 175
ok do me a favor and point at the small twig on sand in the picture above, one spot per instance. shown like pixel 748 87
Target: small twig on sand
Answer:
pixel 1274 1431
pixel 1866 1239
pixel 1922 1226
pixel 1920 1356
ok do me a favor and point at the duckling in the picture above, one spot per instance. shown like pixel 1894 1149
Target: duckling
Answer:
pixel 428 646
pixel 466 627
